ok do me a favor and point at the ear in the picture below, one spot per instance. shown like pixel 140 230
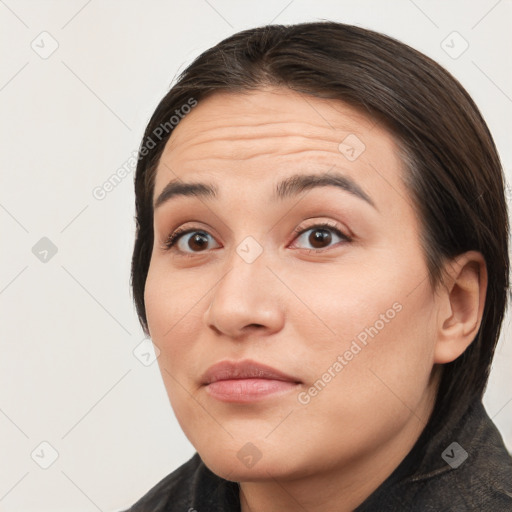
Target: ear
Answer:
pixel 462 300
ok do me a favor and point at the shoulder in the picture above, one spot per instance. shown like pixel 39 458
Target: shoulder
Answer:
pixel 475 471
pixel 190 486
pixel 466 468
pixel 478 467
pixel 482 482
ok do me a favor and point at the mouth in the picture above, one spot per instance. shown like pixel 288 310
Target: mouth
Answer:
pixel 246 381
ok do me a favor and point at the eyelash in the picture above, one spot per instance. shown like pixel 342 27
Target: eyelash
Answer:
pixel 323 225
pixel 172 239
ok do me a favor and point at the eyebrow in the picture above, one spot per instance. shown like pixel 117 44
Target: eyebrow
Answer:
pixel 290 186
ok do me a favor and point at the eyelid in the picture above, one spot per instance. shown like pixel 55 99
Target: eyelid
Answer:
pixel 329 225
pixel 301 228
pixel 170 242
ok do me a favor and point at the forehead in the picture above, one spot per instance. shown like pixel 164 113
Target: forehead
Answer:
pixel 255 138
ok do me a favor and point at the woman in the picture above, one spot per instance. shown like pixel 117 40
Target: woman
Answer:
pixel 321 258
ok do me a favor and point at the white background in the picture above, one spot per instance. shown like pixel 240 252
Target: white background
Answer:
pixel 68 375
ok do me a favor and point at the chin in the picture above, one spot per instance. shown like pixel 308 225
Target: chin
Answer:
pixel 249 463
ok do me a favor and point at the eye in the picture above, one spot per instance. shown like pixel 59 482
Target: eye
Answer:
pixel 188 241
pixel 192 241
pixel 320 236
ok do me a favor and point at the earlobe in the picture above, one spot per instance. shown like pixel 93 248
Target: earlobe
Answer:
pixel 463 301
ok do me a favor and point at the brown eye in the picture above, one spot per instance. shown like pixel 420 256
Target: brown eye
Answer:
pixel 189 241
pixel 198 241
pixel 320 237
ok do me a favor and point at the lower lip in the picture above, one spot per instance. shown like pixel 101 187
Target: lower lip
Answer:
pixel 247 390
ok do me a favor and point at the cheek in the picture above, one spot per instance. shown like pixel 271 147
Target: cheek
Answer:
pixel 172 313
pixel 378 315
pixel 175 317
pixel 378 362
pixel 171 300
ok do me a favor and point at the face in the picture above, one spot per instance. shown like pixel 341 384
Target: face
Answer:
pixel 304 257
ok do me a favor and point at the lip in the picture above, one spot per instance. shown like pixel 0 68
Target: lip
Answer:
pixel 246 381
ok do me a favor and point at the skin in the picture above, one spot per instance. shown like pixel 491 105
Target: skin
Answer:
pixel 299 306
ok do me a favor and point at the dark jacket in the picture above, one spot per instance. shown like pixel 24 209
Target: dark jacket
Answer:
pixel 463 467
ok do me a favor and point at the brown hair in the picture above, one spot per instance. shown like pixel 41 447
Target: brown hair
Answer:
pixel 453 169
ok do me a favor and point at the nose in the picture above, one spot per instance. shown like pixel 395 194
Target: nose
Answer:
pixel 248 299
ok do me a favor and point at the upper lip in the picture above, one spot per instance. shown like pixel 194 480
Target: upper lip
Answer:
pixel 246 369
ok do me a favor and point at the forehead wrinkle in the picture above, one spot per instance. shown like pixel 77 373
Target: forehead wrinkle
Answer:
pixel 316 153
pixel 195 124
pixel 201 127
pixel 240 148
pixel 262 130
pixel 198 140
